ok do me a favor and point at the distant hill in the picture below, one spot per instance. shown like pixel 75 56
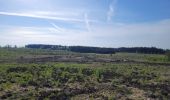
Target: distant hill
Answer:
pixel 100 50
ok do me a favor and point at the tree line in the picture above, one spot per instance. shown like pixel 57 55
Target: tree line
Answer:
pixel 100 50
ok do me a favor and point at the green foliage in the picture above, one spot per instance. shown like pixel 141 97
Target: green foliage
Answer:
pixel 97 80
pixel 168 55
pixel 87 71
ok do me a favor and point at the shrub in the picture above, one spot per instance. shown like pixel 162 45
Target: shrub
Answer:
pixel 17 69
pixel 98 74
pixel 71 70
pixel 65 76
pixel 76 77
pixel 56 73
pixel 87 71
pixel 168 55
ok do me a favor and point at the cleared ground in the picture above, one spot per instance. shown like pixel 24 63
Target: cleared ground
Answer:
pixel 62 75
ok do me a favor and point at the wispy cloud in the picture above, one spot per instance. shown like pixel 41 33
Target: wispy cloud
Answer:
pixel 57 28
pixel 24 35
pixel 68 17
pixel 87 21
pixel 54 13
pixel 141 34
pixel 36 15
pixel 111 11
pixel 137 34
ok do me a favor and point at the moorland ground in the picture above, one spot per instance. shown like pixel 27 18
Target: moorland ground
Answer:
pixel 63 75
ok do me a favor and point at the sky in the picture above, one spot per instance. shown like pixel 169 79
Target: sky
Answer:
pixel 103 23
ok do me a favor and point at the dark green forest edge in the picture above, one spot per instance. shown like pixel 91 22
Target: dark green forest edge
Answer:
pixel 53 72
pixel 101 50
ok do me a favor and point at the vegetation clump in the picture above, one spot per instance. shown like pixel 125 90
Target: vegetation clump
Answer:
pixel 168 55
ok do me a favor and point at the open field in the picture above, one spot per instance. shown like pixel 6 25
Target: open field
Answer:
pixel 61 75
pixel 25 55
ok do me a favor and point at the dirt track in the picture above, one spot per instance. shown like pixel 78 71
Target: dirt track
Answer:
pixel 83 59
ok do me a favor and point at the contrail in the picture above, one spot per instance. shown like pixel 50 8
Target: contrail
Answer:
pixel 40 16
pixel 87 21
pixel 59 29
pixel 111 10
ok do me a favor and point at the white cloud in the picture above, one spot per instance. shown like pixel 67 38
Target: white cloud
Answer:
pixel 62 16
pixel 39 15
pixel 87 21
pixel 57 28
pixel 141 34
pixel 111 11
pixel 56 13
pixel 117 35
pixel 25 35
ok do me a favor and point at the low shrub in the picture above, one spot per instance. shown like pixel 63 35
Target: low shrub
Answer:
pixel 17 69
pixel 87 71
pixel 168 55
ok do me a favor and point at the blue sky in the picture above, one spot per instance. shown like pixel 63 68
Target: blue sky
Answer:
pixel 104 23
